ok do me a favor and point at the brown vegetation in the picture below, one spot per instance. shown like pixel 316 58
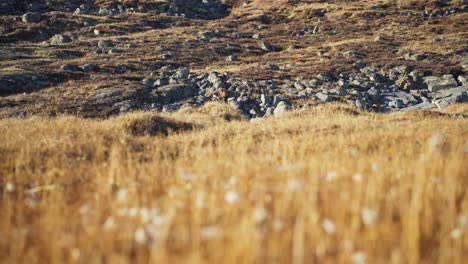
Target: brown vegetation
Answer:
pixel 327 185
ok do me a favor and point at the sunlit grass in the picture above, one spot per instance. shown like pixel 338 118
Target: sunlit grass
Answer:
pixel 327 185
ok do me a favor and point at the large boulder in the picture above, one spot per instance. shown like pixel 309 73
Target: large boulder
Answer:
pixel 435 84
pixel 450 96
pixel 398 99
pixel 173 93
pixel 281 108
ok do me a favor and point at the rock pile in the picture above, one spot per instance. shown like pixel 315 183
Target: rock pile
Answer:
pixel 398 89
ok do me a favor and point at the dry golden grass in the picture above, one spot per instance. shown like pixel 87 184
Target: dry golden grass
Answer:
pixel 327 185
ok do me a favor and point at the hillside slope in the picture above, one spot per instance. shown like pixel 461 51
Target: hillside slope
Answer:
pixel 108 54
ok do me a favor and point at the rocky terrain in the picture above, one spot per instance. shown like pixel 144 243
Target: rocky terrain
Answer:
pixel 101 58
pixel 236 131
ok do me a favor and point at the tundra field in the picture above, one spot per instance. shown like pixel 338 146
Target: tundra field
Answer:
pixel 234 131
pixel 327 185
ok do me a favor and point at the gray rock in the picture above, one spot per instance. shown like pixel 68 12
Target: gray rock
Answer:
pixel 266 99
pixel 253 113
pixel 450 96
pixel 266 46
pixel 113 51
pixel 396 103
pixel 69 67
pixel 234 103
pixel 324 97
pixel 161 82
pixel 170 108
pixel 124 106
pixel 105 44
pixel 183 73
pixel 31 17
pixel 173 93
pixel 214 77
pixel 421 106
pixel 415 57
pixel 148 81
pixel 359 64
pixel 17 114
pixel 276 100
pixel 167 55
pixel 343 84
pixel 463 80
pixel 89 67
pixel 398 99
pixel 299 86
pixel 60 39
pixel 257 36
pixel 281 108
pixel 361 104
pixel 350 54
pixel 269 111
pixel 272 67
pixel 339 91
pixel 374 94
pixel 130 46
pixel 379 38
pixel 208 34
pixel 106 93
pixel 231 58
pixel 464 64
pixel 435 84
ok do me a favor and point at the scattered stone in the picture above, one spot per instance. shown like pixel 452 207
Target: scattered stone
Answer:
pixel 106 93
pixel 281 108
pixel 379 38
pixel 463 80
pixel 266 100
pixel 299 86
pixel 324 97
pixel 161 82
pixel 359 64
pixel 113 51
pixel 174 93
pixel 130 46
pixel 31 17
pixel 105 44
pixel 257 36
pixel 396 103
pixel 231 58
pixel 398 99
pixel 182 73
pixel 272 67
pixel 266 46
pixel 60 39
pixel 148 81
pixel 124 106
pixel 234 103
pixel 208 34
pixel 415 57
pixel 69 67
pixel 89 67
pixel 361 104
pixel 350 54
pixel 170 108
pixel 17 114
pixel 421 106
